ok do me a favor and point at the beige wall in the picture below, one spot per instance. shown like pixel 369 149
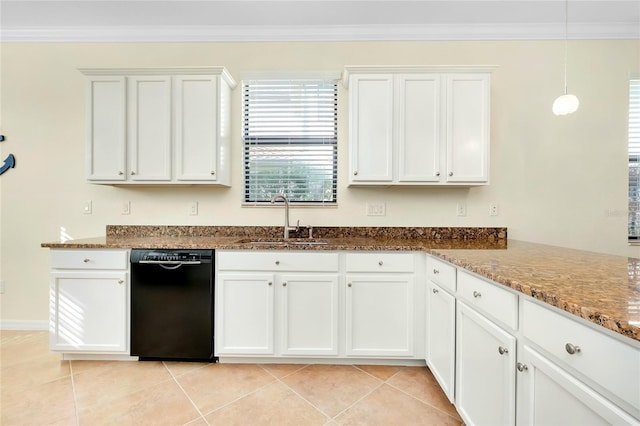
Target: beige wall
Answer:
pixel 558 180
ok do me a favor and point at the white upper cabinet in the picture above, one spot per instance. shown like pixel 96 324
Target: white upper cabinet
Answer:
pixel 158 125
pixel 149 133
pixel 418 125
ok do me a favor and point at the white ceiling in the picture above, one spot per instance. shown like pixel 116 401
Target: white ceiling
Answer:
pixel 262 20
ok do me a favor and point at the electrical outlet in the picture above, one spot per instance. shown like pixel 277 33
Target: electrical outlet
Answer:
pixel 493 209
pixel 461 209
pixel 86 207
pixel 1 286
pixel 193 208
pixel 126 207
pixel 376 209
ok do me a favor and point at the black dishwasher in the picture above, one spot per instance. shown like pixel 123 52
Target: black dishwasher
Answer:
pixel 172 304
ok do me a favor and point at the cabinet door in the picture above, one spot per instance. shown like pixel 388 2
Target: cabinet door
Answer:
pixel 244 314
pixel 106 133
pixel 485 370
pixel 379 315
pixel 467 127
pixel 196 127
pixel 89 312
pixel 441 337
pixel 418 129
pixel 149 135
pixel 371 127
pixel 547 395
pixel 309 314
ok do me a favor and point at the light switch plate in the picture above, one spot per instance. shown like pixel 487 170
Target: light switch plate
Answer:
pixel 87 207
pixel 126 207
pixel 461 209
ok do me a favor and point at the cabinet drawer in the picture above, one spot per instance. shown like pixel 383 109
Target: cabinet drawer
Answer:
pixel 441 273
pixel 489 299
pixel 380 262
pixel 603 359
pixel 277 261
pixel 89 259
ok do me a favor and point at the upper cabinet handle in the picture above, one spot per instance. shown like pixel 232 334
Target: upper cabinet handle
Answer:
pixel 355 173
pixel 380 262
pixel 435 271
pixel 450 173
pixel 87 260
pixel 477 294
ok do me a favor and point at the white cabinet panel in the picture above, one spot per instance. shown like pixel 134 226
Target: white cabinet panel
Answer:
pixel 309 314
pixel 380 315
pixel 106 132
pixel 441 337
pixel 149 135
pixel 591 354
pixel 547 395
pixel 89 312
pixel 196 136
pixel 467 128
pixel 371 108
pixel 244 314
pixel 418 128
pixel 485 370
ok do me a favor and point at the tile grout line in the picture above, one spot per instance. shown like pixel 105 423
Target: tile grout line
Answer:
pixel 173 377
pixel 329 418
pixel 73 391
pixel 382 383
pixel 421 401
pixel 244 395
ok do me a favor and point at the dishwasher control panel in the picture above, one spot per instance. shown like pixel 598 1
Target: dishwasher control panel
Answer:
pixel 171 256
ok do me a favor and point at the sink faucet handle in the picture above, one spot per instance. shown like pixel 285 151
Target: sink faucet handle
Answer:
pixel 310 231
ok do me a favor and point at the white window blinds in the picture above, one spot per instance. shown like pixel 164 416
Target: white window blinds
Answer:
pixel 634 160
pixel 290 140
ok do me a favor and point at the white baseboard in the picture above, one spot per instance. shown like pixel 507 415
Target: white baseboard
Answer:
pixel 23 325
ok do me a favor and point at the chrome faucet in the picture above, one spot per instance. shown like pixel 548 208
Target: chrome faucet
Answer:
pixel 287 228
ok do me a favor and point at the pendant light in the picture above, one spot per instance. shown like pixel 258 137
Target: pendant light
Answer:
pixel 567 103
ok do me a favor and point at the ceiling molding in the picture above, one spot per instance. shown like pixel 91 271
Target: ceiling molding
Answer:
pixel 239 33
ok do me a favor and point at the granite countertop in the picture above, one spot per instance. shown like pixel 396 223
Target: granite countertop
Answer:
pixel 602 289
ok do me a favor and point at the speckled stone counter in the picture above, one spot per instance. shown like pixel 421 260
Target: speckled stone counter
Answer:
pixel 602 289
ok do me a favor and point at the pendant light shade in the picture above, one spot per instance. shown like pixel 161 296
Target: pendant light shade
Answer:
pixel 566 103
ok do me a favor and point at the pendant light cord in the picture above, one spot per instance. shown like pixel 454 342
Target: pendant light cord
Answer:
pixel 566 37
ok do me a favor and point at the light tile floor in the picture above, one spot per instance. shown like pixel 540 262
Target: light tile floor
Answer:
pixel 37 388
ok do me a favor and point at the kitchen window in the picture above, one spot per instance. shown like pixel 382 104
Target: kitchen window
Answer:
pixel 634 160
pixel 290 140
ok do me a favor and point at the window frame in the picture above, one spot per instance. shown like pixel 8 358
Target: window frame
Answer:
pixel 297 142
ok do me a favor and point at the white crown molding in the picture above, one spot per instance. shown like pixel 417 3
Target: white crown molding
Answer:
pixel 237 33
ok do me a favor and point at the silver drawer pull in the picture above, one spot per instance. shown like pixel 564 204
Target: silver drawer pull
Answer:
pixel 436 272
pixel 522 367
pixel 87 260
pixel 380 262
pixel 270 283
pixel 435 291
pixel 284 284
pixel 349 285
pixel 277 262
pixel 502 350
pixel 477 294
pixel 120 281
pixel 571 349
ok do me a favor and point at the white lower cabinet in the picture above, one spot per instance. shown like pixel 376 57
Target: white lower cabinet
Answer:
pixel 485 370
pixel 89 301
pixel 548 395
pixel 309 314
pixel 277 303
pixel 441 337
pixel 244 314
pixel 379 315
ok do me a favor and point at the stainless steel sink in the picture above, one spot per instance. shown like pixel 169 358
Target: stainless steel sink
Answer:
pixel 279 242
